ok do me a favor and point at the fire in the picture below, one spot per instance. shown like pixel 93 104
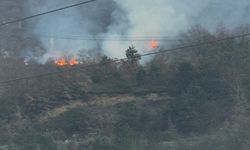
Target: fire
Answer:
pixel 153 44
pixel 73 62
pixel 64 62
pixel 60 62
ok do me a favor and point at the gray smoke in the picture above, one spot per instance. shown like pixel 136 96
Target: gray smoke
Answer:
pixel 67 31
pixel 169 17
pixel 71 31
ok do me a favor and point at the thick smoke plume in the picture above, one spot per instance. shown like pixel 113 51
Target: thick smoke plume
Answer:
pixel 115 23
pixel 73 30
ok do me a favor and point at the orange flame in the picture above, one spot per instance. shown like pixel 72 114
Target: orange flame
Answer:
pixel 61 62
pixel 64 62
pixel 73 62
pixel 153 44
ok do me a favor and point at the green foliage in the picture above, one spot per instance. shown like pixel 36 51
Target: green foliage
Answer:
pixel 201 89
pixel 72 122
pixel 125 137
pixel 202 99
pixel 144 119
pixel 183 78
pixel 131 52
pixel 7 108
pixel 106 72
pixel 31 141
pixel 141 76
pixel 102 143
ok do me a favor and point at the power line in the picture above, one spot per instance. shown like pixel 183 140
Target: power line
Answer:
pixel 108 38
pixel 45 13
pixel 123 59
pixel 113 39
pixel 103 35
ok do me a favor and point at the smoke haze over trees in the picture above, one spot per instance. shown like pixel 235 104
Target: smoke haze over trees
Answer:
pixel 111 19
pixel 193 99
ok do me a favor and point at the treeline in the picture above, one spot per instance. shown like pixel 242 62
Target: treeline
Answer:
pixel 203 101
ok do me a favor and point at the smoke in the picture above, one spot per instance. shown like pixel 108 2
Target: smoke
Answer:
pixel 229 12
pixel 168 18
pixel 72 31
pixel 118 23
pixel 147 19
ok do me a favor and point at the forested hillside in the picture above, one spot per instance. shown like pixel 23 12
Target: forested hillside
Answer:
pixel 191 99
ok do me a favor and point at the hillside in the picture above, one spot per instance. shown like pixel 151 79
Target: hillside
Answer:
pixel 193 99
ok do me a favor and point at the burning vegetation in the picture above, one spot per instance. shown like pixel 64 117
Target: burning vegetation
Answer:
pixel 65 62
pixel 153 44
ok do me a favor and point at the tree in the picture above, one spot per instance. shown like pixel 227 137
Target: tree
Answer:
pixel 202 99
pixel 132 54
